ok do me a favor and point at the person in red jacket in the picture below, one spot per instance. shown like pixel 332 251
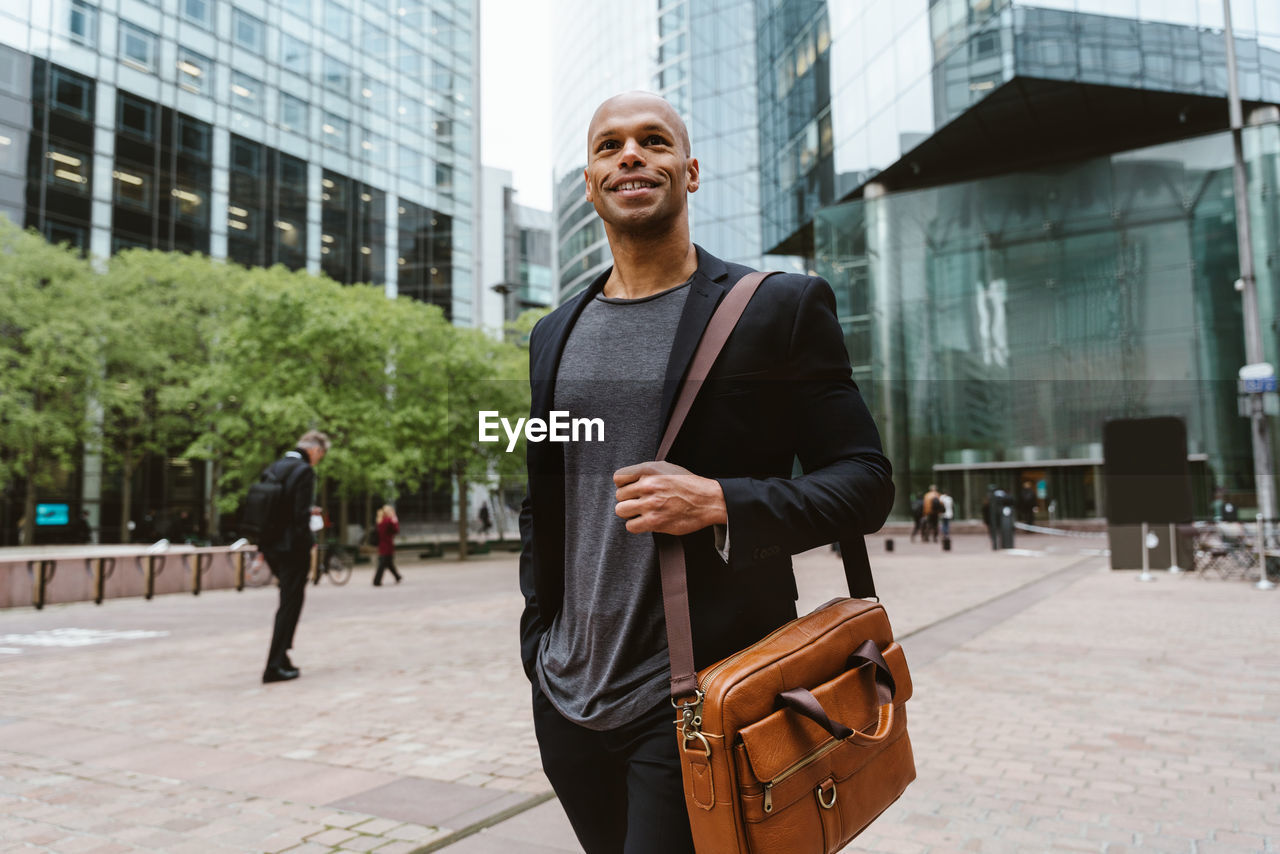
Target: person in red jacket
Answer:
pixel 388 527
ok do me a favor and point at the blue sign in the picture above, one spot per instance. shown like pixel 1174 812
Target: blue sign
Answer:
pixel 53 514
pixel 1258 385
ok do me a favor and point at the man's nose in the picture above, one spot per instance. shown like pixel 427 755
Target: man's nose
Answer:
pixel 632 154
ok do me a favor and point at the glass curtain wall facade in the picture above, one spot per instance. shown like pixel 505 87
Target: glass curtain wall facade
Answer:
pixel 702 59
pixel 996 324
pixel 263 131
pixel 850 90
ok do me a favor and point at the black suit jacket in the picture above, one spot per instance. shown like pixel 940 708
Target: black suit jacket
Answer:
pixel 781 390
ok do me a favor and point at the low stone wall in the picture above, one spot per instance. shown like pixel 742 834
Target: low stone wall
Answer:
pixel 74 572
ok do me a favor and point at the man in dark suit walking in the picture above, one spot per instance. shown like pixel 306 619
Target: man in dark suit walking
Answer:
pixel 287 547
pixel 593 639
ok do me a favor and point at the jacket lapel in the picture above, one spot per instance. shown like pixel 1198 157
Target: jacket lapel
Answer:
pixel 707 289
pixel 547 360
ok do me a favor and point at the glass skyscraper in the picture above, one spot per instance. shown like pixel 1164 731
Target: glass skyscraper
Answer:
pixel 700 55
pixel 1026 210
pixel 326 135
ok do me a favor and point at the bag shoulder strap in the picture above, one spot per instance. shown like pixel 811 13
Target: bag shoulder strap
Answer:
pixel 675 582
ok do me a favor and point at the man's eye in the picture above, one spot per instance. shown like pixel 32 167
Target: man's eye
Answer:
pixel 655 140
pixel 608 143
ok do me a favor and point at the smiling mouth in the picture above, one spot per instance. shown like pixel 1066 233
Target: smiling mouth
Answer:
pixel 630 186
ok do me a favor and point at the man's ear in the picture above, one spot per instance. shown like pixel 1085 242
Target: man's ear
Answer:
pixel 693 175
pixel 586 179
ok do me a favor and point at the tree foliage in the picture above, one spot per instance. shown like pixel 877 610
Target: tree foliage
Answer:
pixel 160 353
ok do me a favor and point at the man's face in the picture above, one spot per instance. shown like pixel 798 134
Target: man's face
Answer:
pixel 316 454
pixel 638 170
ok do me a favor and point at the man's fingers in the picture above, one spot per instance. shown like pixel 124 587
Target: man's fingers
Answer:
pixel 632 473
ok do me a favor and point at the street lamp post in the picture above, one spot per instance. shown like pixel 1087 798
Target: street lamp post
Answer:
pixel 1262 462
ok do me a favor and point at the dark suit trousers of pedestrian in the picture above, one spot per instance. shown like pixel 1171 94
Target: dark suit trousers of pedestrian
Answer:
pixel 621 788
pixel 385 562
pixel 290 568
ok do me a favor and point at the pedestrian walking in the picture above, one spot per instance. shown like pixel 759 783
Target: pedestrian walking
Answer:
pixel 593 639
pixel 287 544
pixel 486 522
pixel 948 512
pixel 388 526
pixel 932 511
pixel 917 517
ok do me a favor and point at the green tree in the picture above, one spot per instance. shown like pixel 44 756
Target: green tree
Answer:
pixel 50 361
pixel 163 313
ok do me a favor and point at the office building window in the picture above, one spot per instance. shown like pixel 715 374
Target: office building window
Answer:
pixel 295 54
pixel 82 25
pixel 247 31
pixel 198 12
pixel 376 42
pixel 441 127
pixel 195 71
pixel 409 61
pixel 246 94
pixel 337 132
pixel 376 95
pixel 191 204
pixel 337 20
pixel 374 146
pixel 441 78
pixel 72 93
pixel 9 160
pixel 132 186
pixel 301 8
pixel 337 75
pixel 410 12
pixel 68 169
pixel 194 137
pixel 410 165
pixel 293 113
pixel 137 46
pixel 410 113
pixel 135 117
pixel 444 179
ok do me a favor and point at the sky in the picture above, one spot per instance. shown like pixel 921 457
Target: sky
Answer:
pixel 515 94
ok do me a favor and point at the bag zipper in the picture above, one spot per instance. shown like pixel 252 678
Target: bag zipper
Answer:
pixel 812 756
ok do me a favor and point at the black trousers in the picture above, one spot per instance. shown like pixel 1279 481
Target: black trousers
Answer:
pixel 291 569
pixel 385 562
pixel 621 788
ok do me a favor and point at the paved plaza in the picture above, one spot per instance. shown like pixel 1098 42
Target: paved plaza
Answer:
pixel 1058 706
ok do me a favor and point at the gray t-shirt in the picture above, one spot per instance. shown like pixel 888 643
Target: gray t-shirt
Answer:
pixel 603 661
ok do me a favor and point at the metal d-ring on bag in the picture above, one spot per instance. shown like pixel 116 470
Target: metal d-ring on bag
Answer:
pixel 801 770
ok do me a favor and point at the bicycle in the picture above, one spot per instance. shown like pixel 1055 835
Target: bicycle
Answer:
pixel 332 561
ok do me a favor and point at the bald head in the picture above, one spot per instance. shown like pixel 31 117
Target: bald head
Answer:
pixel 629 103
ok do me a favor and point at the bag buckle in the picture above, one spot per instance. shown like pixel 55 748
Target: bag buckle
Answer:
pixel 689 710
pixel 827 785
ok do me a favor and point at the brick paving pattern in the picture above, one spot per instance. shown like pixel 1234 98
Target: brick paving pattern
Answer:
pixel 1062 707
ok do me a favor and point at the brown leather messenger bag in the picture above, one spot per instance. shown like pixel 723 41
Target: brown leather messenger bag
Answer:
pixel 798 742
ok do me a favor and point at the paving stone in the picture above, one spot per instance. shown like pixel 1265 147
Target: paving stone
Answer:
pixel 1066 716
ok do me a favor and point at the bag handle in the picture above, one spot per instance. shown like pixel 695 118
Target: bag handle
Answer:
pixel 802 702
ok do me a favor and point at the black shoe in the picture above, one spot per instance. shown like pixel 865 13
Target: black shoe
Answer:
pixel 288 665
pixel 279 674
pixel 377 584
pixel 399 579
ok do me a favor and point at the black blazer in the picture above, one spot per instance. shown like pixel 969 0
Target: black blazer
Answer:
pixel 781 390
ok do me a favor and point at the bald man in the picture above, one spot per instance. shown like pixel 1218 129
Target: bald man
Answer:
pixel 593 636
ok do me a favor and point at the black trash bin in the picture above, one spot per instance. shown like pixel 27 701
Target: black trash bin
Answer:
pixel 1001 508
